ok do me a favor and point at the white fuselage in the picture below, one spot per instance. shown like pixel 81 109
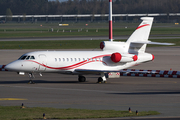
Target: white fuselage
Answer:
pixel 69 61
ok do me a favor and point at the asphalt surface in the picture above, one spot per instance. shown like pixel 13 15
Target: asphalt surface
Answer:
pixel 64 91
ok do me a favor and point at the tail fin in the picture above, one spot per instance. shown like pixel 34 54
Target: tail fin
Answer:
pixel 136 41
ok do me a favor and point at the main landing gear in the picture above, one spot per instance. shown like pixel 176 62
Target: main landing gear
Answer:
pixel 81 78
pixel 101 79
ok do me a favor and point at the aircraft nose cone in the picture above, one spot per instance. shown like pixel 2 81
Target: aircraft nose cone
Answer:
pixel 12 66
pixel 9 67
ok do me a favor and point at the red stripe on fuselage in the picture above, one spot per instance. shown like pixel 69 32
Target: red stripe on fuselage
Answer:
pixel 74 65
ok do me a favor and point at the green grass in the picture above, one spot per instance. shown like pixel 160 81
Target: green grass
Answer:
pixel 35 30
pixel 16 113
pixel 65 44
pixel 165 31
pixel 25 33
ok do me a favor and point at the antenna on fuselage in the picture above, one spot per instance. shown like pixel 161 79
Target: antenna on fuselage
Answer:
pixel 110 21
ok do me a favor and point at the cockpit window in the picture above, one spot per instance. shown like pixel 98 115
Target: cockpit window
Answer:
pixel 23 57
pixel 27 58
pixel 32 57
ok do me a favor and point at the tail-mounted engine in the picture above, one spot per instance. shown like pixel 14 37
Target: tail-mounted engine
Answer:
pixel 120 53
pixel 143 57
pixel 109 46
pixel 117 57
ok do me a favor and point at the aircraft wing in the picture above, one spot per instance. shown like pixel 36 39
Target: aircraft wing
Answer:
pixel 133 72
pixel 86 71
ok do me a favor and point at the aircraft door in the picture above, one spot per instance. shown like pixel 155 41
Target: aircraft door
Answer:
pixel 43 61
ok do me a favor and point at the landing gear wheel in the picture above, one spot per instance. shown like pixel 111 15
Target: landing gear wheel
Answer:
pixel 100 80
pixel 81 78
pixel 30 82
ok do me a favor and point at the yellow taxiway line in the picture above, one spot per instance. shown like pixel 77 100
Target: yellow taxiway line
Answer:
pixel 12 99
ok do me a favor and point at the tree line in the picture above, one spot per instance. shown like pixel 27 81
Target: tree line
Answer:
pixel 45 7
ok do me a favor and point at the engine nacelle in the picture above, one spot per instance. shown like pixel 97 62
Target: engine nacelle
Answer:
pixel 109 45
pixel 145 57
pixel 117 57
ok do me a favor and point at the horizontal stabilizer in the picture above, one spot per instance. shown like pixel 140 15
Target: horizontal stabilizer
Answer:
pixel 153 43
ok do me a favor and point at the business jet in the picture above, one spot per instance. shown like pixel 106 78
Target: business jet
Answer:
pixel 113 57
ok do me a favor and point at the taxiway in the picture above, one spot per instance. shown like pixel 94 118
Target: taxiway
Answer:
pixel 64 91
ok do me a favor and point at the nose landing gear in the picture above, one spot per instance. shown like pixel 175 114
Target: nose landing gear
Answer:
pixel 101 79
pixel 31 76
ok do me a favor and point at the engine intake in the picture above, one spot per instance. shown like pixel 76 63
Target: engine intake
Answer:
pixel 117 57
